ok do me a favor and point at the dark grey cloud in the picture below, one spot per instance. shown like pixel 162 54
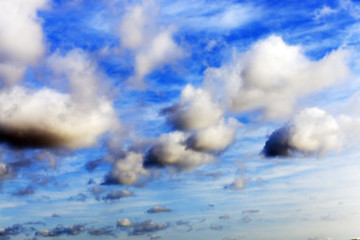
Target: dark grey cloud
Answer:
pixel 61 230
pixel 158 209
pixel 116 195
pixel 147 226
pixel 278 144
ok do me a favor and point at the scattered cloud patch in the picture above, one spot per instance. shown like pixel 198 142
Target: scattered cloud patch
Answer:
pixel 116 195
pixel 158 209
pixel 147 226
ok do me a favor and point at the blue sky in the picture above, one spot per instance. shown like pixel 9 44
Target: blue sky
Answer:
pixel 179 119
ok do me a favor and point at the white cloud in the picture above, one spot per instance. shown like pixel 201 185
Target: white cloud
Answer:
pixel 81 73
pixel 214 138
pixel 324 11
pixel 170 150
pixel 194 111
pixel 124 223
pixel 46 118
pixel 127 170
pixel 312 131
pixel 21 38
pixel 152 45
pixel 271 76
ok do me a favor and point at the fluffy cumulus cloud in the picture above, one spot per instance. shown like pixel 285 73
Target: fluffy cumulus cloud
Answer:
pixel 127 170
pixel 152 45
pixel 195 110
pixel 21 38
pixel 271 76
pixel 312 131
pixel 46 118
pixel 171 150
pixel 214 138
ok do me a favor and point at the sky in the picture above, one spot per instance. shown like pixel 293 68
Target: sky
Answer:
pixel 191 119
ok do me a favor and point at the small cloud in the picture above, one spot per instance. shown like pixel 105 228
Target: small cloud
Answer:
pixel 324 12
pixel 158 209
pixel 124 223
pixel 224 217
pixel 147 226
pixel 238 184
pixel 246 219
pixel 250 211
pixel 61 230
pixel 104 231
pixel 81 197
pixel 154 236
pixel 216 227
pixel 116 195
pixel 29 190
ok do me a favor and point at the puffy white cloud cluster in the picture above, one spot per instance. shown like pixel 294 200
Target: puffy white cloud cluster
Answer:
pixel 312 131
pixel 214 138
pixel 203 131
pixel 127 170
pixel 171 150
pixel 271 76
pixel 195 110
pixel 21 38
pixel 46 118
pixel 152 45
